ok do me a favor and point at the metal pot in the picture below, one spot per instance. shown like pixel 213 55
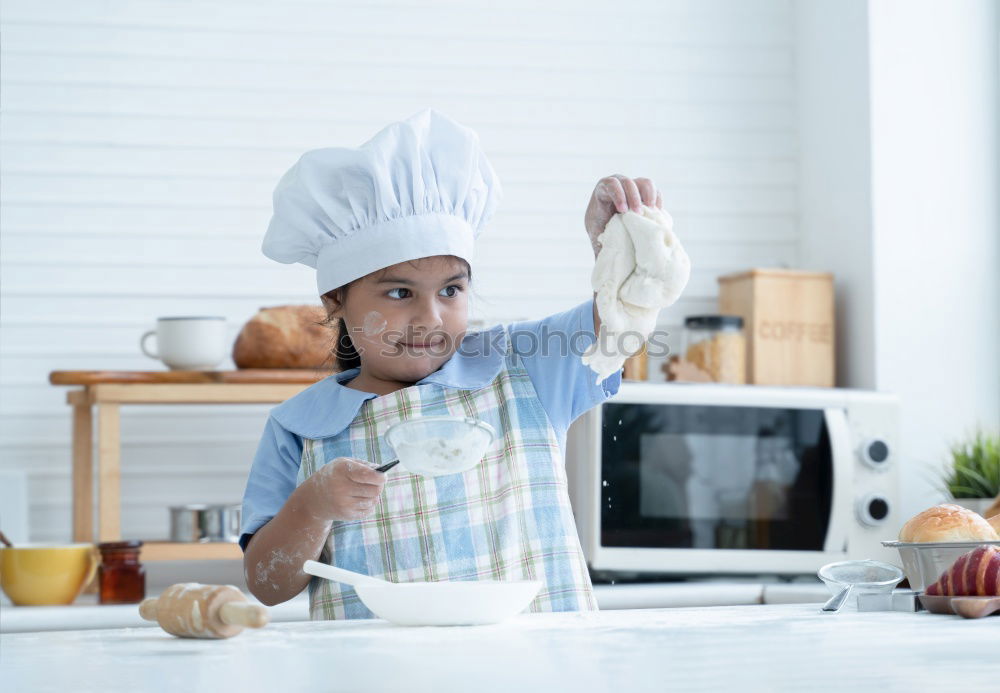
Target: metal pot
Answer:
pixel 201 523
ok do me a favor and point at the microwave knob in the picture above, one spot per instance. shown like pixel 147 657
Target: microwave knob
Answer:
pixel 873 510
pixel 875 453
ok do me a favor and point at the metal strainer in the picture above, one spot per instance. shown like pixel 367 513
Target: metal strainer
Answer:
pixel 860 577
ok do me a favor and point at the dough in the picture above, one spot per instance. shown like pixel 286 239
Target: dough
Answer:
pixel 640 269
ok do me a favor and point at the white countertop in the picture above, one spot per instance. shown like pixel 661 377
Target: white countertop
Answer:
pixel 87 614
pixel 789 647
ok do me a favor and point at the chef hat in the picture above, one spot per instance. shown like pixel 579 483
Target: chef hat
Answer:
pixel 418 188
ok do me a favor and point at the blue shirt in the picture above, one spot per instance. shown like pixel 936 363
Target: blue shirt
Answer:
pixel 549 348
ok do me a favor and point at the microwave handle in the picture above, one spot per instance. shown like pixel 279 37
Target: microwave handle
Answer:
pixel 843 471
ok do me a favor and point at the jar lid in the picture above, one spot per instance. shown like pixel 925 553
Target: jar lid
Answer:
pixel 713 322
pixel 117 545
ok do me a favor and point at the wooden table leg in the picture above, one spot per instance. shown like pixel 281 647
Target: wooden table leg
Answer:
pixel 83 473
pixel 109 472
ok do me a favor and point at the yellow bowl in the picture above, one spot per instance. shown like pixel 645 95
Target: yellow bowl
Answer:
pixel 46 574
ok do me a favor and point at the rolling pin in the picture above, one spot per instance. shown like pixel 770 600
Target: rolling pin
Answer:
pixel 192 610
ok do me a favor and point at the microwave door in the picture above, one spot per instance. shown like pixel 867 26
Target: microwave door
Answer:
pixel 693 487
pixel 843 469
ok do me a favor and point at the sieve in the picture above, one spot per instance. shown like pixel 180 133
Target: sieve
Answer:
pixel 857 577
pixel 438 445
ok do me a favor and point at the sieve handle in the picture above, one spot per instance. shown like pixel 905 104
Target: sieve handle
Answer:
pixel 837 601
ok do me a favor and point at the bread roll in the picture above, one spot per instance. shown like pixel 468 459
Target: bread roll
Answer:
pixel 947 523
pixel 995 523
pixel 975 574
pixel 286 337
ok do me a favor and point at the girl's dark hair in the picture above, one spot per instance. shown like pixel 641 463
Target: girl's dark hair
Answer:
pixel 343 350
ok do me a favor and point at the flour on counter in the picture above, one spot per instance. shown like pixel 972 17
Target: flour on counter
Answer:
pixel 640 269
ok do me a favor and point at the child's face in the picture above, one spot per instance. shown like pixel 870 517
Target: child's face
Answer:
pixel 407 319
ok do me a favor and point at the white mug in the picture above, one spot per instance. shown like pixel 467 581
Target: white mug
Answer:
pixel 188 343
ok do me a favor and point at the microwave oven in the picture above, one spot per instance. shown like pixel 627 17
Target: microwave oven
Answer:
pixel 691 478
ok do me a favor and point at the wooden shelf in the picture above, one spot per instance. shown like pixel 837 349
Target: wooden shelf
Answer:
pixel 183 551
pixel 254 376
pixel 107 392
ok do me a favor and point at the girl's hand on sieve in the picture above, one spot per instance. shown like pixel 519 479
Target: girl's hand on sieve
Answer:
pixel 344 489
pixel 614 194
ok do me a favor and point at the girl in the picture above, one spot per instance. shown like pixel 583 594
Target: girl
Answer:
pixel 389 228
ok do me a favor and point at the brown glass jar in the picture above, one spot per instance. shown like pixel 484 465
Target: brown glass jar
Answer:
pixel 122 578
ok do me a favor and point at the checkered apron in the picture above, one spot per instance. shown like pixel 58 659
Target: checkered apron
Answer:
pixel 508 518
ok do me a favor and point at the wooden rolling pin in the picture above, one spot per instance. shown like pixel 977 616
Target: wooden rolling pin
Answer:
pixel 192 610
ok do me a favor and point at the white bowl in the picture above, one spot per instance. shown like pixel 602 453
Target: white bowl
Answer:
pixel 444 603
pixel 459 603
pixel 437 445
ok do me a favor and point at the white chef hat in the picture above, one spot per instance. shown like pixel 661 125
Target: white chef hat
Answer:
pixel 418 188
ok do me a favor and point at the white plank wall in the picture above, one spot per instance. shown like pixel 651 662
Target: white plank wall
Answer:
pixel 141 141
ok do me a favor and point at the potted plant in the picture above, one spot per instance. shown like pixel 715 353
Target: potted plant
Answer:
pixel 973 481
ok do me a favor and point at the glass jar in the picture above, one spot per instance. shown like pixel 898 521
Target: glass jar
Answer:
pixel 715 345
pixel 121 577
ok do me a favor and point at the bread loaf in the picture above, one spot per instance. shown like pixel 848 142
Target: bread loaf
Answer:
pixel 975 574
pixel 947 522
pixel 286 337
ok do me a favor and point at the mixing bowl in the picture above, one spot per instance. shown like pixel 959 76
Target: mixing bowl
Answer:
pixel 446 603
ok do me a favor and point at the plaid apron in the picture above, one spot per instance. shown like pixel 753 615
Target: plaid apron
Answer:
pixel 508 518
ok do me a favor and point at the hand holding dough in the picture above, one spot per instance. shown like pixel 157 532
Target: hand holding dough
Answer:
pixel 641 269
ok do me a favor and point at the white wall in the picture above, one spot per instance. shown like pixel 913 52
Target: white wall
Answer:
pixel 141 142
pixel 935 161
pixel 900 174
pixel 831 55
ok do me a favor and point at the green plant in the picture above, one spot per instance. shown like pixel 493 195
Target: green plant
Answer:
pixel 975 467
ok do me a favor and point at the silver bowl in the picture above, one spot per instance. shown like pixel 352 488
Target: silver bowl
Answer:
pixel 925 562
pixel 200 522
